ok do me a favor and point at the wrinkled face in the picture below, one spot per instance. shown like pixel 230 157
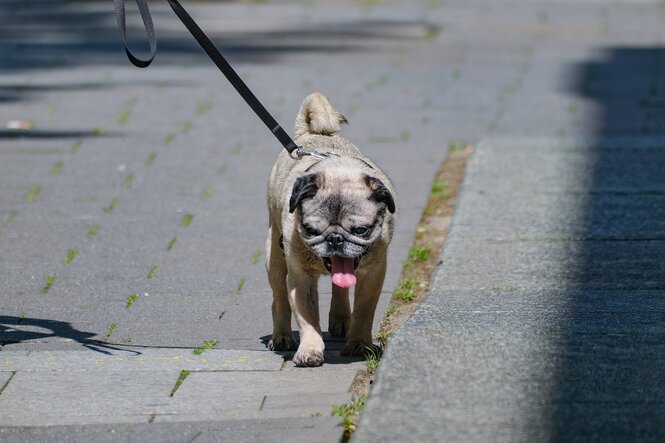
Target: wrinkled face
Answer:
pixel 340 216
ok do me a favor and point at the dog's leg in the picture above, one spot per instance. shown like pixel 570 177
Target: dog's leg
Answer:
pixel 282 337
pixel 340 312
pixel 368 290
pixel 304 299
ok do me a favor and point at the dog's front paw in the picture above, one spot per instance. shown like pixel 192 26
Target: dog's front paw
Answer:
pixel 308 357
pixel 357 348
pixel 282 343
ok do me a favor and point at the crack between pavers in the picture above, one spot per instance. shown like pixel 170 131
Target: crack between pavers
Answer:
pixel 2 388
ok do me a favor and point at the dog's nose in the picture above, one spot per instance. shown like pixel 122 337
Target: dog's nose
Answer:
pixel 335 239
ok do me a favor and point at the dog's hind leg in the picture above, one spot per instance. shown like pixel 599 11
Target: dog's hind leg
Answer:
pixel 366 297
pixel 340 312
pixel 282 336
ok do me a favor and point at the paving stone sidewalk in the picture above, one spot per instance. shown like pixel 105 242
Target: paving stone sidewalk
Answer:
pixel 132 220
pixel 545 319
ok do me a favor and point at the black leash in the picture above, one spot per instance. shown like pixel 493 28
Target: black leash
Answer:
pixel 214 55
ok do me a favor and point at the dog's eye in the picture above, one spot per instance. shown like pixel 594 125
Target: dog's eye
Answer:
pixel 310 231
pixel 360 231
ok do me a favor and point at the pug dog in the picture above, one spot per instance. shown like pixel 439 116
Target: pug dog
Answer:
pixel 329 215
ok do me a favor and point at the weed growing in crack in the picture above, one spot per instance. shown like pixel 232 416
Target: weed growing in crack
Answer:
pixel 349 413
pixel 34 192
pixel 128 181
pixel 153 270
pixel 406 290
pixel 207 345
pixel 186 220
pixel 206 193
pixel 372 359
pixel 76 147
pixel 92 233
pixel 171 243
pixel 130 300
pixel 111 206
pixel 11 217
pixel 150 159
pixel 56 168
pixel 457 146
pixel 183 375
pixel 203 107
pixel 382 336
pixel 419 253
pixel 185 126
pixel 238 289
pixel 50 281
pixel 71 255
pixel 124 116
pixel 109 331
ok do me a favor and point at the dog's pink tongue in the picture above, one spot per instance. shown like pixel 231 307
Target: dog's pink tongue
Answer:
pixel 342 272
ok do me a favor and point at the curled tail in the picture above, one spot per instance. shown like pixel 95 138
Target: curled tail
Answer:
pixel 317 116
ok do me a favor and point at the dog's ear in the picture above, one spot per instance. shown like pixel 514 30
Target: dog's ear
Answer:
pixel 380 193
pixel 305 187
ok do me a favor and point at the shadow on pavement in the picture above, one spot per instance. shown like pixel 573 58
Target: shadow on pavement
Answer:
pixel 18 330
pixel 611 380
pixel 332 352
pixel 37 34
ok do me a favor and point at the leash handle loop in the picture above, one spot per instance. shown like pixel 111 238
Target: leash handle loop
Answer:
pixel 214 54
pixel 119 6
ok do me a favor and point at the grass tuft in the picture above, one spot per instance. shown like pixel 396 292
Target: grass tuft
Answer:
pixel 130 300
pixel 349 413
pixel 206 193
pixel 168 139
pixel 186 220
pixel 50 281
pixel 419 253
pixel 372 359
pixel 71 255
pixel 207 345
pixel 76 147
pixel 185 126
pixel 34 192
pixel 109 331
pixel 123 117
pixel 406 290
pixel 56 168
pixel 92 233
pixel 457 146
pixel 183 375
pixel 171 243
pixel 128 181
pixel 150 159
pixel 111 207
pixel 153 270
pixel 10 218
pixel 203 107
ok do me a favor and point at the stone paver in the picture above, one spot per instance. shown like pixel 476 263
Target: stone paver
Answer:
pixel 544 321
pixel 132 216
